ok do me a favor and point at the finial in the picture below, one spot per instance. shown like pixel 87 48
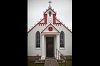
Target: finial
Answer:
pixel 49 4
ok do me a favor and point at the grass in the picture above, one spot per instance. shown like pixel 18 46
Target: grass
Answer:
pixel 69 63
pixel 32 64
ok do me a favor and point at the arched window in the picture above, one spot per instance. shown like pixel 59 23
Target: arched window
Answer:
pixel 62 43
pixel 49 13
pixel 37 39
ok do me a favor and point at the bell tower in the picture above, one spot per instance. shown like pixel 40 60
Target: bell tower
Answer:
pixel 50 15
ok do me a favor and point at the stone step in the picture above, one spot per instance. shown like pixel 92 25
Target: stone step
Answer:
pixel 51 62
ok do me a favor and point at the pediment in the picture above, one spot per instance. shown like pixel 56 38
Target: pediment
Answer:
pixel 50 28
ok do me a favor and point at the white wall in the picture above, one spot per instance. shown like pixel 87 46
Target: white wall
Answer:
pixel 68 40
pixel 31 41
pixel 32 50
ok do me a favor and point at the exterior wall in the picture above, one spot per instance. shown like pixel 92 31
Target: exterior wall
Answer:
pixel 68 40
pixel 32 50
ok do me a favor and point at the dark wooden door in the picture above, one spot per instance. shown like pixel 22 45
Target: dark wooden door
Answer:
pixel 49 47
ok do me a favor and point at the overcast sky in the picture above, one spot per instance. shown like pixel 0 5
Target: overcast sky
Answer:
pixel 63 9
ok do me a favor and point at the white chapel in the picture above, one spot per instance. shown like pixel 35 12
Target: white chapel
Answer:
pixel 48 36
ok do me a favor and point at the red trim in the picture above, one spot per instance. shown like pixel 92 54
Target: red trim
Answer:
pixel 58 20
pixel 32 28
pixel 50 28
pixel 45 18
pixel 48 9
pixel 63 25
pixel 57 23
pixel 41 23
pixel 47 26
pixel 41 20
pixel 45 21
pixel 50 33
pixel 66 28
pixel 54 18
pixel 35 25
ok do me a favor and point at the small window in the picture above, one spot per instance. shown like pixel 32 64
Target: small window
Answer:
pixel 62 43
pixel 37 39
pixel 49 13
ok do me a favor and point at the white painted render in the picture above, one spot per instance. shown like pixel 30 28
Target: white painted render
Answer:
pixel 33 51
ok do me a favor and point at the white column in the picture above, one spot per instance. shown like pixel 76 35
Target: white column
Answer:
pixel 58 44
pixel 43 48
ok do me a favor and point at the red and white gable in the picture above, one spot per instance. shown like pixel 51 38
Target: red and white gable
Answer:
pixel 50 29
pixel 49 26
pixel 49 18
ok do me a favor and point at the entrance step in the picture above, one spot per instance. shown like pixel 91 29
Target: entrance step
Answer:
pixel 51 62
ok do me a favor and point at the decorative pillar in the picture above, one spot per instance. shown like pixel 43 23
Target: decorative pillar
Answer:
pixel 45 18
pixel 43 48
pixel 58 44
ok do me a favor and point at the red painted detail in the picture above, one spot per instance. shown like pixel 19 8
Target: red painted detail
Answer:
pixel 48 25
pixel 50 33
pixel 32 28
pixel 46 22
pixel 60 24
pixel 63 25
pixel 50 28
pixel 35 25
pixel 41 20
pixel 54 18
pixel 45 18
pixel 41 23
pixel 56 24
